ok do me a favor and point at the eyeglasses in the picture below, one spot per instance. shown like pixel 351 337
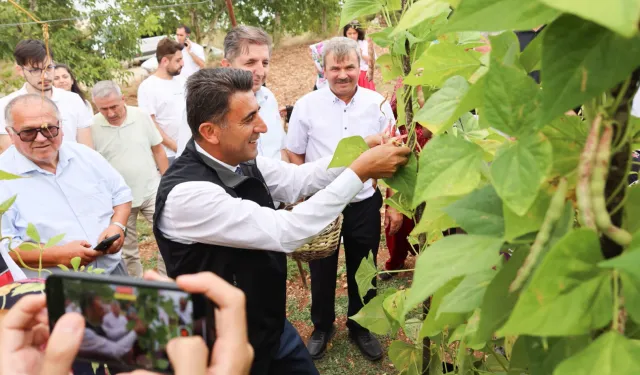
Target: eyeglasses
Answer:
pixel 38 71
pixel 30 135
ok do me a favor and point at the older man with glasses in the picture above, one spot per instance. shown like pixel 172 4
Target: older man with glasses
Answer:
pixel 35 64
pixel 68 189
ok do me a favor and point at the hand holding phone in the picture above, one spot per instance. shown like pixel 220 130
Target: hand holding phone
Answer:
pixel 107 242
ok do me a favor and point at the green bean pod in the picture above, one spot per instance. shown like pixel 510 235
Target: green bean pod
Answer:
pixel 554 212
pixel 585 169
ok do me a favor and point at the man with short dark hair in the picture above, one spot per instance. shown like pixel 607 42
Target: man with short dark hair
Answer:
pixel 35 64
pixel 162 94
pixel 192 54
pixel 215 212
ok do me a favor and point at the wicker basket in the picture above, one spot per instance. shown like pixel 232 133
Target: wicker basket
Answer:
pixel 325 244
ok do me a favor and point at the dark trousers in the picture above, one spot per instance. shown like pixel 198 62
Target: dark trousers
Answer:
pixel 292 357
pixel 361 235
pixel 398 244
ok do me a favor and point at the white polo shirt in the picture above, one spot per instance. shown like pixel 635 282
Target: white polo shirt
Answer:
pixel 164 99
pixel 77 200
pixel 190 66
pixel 320 120
pixel 72 109
pixel 270 143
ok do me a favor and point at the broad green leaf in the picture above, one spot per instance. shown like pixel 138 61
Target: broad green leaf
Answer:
pixel 498 15
pixel 353 9
pixel 393 306
pixel 621 16
pixel 567 135
pixel 632 209
pixel 8 176
pixel 400 203
pixel 347 151
pixel 390 68
pixel 412 329
pixel 439 110
pixel 449 166
pixel 568 293
pixel 419 12
pixel 406 358
pixel 27 288
pixel 4 206
pixel 505 47
pixel 394 4
pixel 611 353
pixel 626 264
pixel 603 59
pixel 372 315
pixel 29 246
pixel 531 57
pixel 432 325
pixel 404 180
pixel 498 302
pixel 519 170
pixel 365 274
pixel 545 356
pixel 63 267
pixel 53 241
pixel 467 296
pixel 519 225
pixel 434 218
pixel 511 99
pixel 382 38
pixel 451 257
pixel 32 232
pixel 75 263
pixel 440 62
pixel 479 212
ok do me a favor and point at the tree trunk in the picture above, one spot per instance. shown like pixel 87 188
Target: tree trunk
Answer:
pixel 195 27
pixel 277 29
pixel 232 15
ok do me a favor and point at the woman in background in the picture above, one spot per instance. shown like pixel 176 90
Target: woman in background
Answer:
pixel 66 80
pixel 354 31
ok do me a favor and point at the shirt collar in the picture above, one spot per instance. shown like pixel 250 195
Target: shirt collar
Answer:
pixel 261 96
pixel 335 99
pixel 23 165
pixel 203 152
pixel 128 120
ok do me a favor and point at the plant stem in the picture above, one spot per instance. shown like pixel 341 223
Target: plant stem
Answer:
pixel 495 355
pixel 616 300
pixel 620 96
pixel 398 271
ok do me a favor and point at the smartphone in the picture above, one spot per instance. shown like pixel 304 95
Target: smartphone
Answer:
pixel 107 242
pixel 128 321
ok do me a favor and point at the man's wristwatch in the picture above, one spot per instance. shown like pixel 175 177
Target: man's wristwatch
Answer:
pixel 124 229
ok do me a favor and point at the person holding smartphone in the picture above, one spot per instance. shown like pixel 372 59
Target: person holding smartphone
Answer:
pixel 193 54
pixel 24 334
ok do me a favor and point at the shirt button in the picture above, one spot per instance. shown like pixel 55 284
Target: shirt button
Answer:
pixel 345 128
pixel 345 111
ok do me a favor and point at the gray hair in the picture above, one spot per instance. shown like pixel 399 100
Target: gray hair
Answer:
pixel 208 92
pixel 27 98
pixel 104 89
pixel 341 47
pixel 237 40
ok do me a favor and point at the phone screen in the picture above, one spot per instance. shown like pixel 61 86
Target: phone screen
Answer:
pixel 129 326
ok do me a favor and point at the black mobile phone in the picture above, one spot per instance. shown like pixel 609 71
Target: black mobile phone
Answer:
pixel 107 242
pixel 128 321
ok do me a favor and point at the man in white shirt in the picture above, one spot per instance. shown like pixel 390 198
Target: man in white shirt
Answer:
pixel 249 48
pixel 320 120
pixel 127 137
pixel 69 189
pixel 162 94
pixel 114 322
pixel 214 209
pixel 37 69
pixel 192 53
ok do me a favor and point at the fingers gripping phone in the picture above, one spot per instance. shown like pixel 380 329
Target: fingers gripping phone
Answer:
pixel 107 242
pixel 128 322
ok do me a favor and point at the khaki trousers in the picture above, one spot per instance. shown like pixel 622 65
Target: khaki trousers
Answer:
pixel 130 251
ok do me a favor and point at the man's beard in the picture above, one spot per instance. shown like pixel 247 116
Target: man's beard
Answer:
pixel 174 72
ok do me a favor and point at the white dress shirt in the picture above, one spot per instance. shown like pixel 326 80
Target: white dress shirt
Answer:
pixel 274 140
pixel 115 326
pixel 164 99
pixel 199 211
pixel 72 109
pixel 77 200
pixel 190 66
pixel 92 343
pixel 269 144
pixel 320 120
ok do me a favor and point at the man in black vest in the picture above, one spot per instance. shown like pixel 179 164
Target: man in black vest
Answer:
pixel 215 212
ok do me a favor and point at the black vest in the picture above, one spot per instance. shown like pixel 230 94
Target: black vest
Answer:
pixel 260 274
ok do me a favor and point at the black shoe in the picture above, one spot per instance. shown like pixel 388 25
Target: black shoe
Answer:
pixel 317 344
pixel 385 276
pixel 368 345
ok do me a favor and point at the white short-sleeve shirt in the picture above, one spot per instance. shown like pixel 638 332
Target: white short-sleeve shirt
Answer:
pixel 72 109
pixel 190 66
pixel 77 200
pixel 320 120
pixel 164 99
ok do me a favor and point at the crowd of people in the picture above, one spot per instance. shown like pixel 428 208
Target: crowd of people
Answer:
pixel 205 158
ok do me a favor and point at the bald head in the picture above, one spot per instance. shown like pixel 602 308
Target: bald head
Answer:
pixel 30 103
